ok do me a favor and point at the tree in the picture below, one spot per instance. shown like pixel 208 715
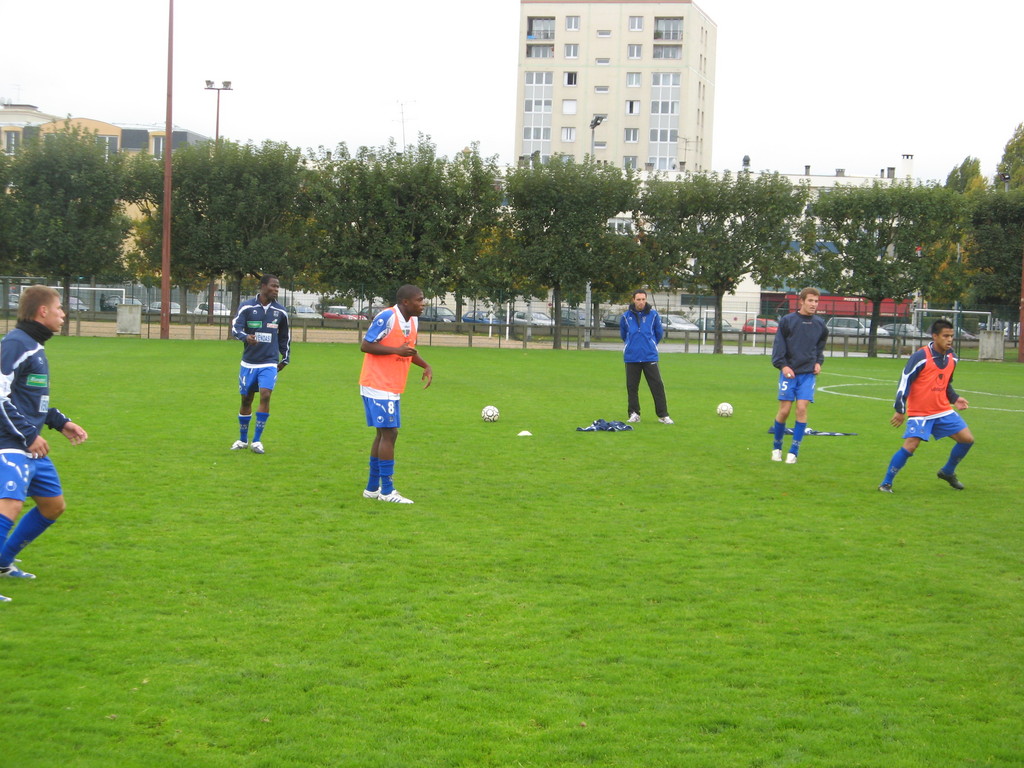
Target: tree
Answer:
pixel 997 229
pixel 1011 167
pixel 711 230
pixel 237 211
pixel 556 222
pixel 383 218
pixel 67 206
pixel 889 241
pixel 967 177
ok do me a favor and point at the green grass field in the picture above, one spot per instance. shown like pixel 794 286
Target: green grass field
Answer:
pixel 666 597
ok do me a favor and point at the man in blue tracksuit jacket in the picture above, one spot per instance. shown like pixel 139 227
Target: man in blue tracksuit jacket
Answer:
pixel 641 332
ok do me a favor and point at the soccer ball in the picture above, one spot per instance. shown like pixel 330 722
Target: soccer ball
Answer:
pixel 724 409
pixel 489 413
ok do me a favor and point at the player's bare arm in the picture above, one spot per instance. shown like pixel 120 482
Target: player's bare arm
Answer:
pixel 898 418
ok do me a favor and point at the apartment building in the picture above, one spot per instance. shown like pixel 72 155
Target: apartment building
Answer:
pixel 630 82
pixel 20 122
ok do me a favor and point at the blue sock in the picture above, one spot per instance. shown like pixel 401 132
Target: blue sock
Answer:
pixel 898 461
pixel 779 430
pixel 261 423
pixel 387 476
pixel 243 427
pixel 959 451
pixel 31 526
pixel 373 483
pixel 5 527
pixel 798 436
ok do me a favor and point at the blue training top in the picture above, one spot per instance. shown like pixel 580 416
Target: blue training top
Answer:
pixel 799 343
pixel 270 326
pixel 24 392
pixel 641 332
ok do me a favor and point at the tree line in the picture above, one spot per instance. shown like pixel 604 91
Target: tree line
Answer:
pixel 355 225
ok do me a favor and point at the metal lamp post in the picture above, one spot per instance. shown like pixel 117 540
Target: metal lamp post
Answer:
pixel 225 86
pixel 598 119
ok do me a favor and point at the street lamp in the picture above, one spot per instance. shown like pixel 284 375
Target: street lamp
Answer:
pixel 598 119
pixel 225 86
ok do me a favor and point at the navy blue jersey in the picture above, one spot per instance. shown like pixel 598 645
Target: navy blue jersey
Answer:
pixel 799 343
pixel 24 392
pixel 269 324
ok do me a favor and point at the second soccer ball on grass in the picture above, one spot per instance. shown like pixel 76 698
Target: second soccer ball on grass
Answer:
pixel 489 413
pixel 724 409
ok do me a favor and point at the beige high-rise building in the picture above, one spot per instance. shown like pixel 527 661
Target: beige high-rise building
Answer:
pixel 630 81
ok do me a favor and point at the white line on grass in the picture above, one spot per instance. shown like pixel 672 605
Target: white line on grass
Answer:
pixel 869 381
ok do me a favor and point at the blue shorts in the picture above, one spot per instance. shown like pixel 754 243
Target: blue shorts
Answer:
pixel 252 379
pixel 800 387
pixel 21 477
pixel 384 414
pixel 943 426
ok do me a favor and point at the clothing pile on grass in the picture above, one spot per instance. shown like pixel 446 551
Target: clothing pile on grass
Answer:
pixel 600 425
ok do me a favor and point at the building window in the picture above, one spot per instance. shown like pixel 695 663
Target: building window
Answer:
pixel 604 33
pixel 537 133
pixel 570 78
pixel 11 139
pixel 540 51
pixel 568 106
pixel 631 135
pixel 109 144
pixel 665 78
pixel 572 50
pixel 602 62
pixel 572 23
pixel 629 162
pixel 540 28
pixel 537 105
pixel 664 107
pixel 158 146
pixel 538 78
pixel 600 89
pixel 568 135
pixel 636 23
pixel 668 51
pixel 600 144
pixel 633 51
pixel 633 107
pixel 668 29
pixel 664 135
pixel 633 80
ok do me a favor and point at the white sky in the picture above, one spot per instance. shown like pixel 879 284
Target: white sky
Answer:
pixel 829 84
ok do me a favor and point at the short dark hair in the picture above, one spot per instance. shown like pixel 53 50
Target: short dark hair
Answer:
pixel 34 297
pixel 265 280
pixel 408 292
pixel 638 291
pixel 940 325
pixel 809 291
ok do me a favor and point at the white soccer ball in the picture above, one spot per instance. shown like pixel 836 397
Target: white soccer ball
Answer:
pixel 489 413
pixel 724 409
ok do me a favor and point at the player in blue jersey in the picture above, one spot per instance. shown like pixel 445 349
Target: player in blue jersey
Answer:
pixel 641 331
pixel 926 400
pixel 261 324
pixel 798 352
pixel 25 466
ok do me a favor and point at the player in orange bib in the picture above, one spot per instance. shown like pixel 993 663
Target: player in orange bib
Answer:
pixel 390 348
pixel 926 400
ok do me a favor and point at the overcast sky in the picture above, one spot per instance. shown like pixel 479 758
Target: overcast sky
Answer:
pixel 799 82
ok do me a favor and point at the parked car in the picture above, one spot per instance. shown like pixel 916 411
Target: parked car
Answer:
pixel 573 316
pixel 338 312
pixel 539 319
pixel 437 315
pixel 760 325
pixel 677 323
pixel 611 318
pixel 219 310
pixel 851 326
pixel 905 331
pixel 306 313
pixel 154 308
pixel 709 324
pixel 109 303
pixel 482 317
pixel 75 304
